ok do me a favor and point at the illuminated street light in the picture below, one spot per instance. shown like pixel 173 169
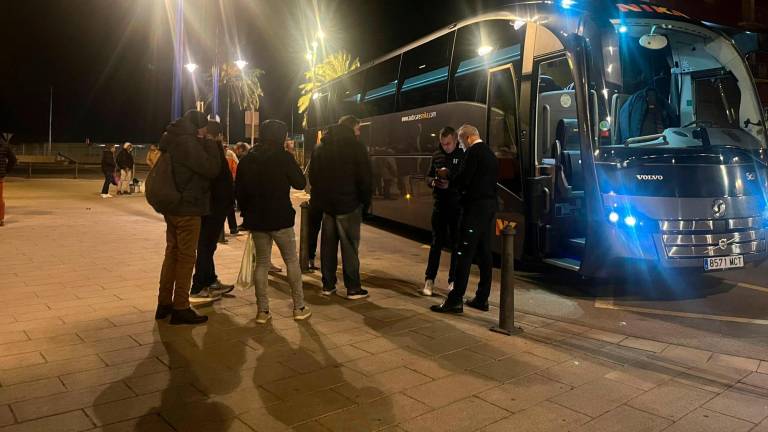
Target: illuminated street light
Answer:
pixel 309 55
pixel 483 50
pixel 321 34
pixel 315 95
pixel 241 64
pixel 191 67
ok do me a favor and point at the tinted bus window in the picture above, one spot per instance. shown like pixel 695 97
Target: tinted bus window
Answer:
pixel 425 74
pixel 381 87
pixel 346 95
pixel 320 113
pixel 479 47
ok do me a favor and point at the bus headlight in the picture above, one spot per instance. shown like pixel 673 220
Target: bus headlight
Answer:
pixel 613 217
pixel 630 221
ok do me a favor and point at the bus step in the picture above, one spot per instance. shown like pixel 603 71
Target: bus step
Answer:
pixel 566 263
pixel 577 244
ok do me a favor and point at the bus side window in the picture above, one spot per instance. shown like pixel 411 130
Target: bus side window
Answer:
pixel 346 95
pixel 555 101
pixel 424 74
pixel 380 88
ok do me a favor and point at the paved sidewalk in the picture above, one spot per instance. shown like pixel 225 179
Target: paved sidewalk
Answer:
pixel 80 350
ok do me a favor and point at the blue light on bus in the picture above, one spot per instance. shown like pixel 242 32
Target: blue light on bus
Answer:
pixel 623 29
pixel 566 4
pixel 613 217
pixel 630 221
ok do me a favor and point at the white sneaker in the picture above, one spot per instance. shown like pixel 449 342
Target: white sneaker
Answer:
pixel 106 196
pixel 429 285
pixel 263 317
pixel 205 296
pixel 302 314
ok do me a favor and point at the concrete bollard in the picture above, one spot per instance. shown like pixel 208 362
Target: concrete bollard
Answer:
pixel 304 238
pixel 507 295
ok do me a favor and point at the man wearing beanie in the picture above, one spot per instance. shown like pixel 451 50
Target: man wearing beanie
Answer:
pixel 195 163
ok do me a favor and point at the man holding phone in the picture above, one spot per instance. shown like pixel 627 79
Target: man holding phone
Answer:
pixel 446 213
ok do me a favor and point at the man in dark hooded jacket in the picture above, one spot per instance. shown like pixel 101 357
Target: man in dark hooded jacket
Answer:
pixel 340 174
pixel 195 163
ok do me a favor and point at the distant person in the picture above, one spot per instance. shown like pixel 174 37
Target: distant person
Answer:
pixel 446 212
pixel 477 183
pixel 264 181
pixel 124 161
pixel 241 149
pixel 108 167
pixel 232 162
pixel 152 155
pixel 7 162
pixel 206 286
pixel 196 162
pixel 340 174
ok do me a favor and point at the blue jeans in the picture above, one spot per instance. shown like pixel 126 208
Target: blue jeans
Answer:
pixel 341 230
pixel 286 242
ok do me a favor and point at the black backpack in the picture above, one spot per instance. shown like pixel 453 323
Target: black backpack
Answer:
pixel 161 191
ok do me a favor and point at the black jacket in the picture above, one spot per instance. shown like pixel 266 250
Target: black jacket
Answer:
pixel 454 162
pixel 340 172
pixel 477 180
pixel 124 159
pixel 7 160
pixel 222 187
pixel 107 161
pixel 263 185
pixel 195 163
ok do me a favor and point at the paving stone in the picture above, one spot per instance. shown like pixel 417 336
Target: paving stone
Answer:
pixel 712 377
pixel 514 366
pixel 545 417
pixel 685 356
pixel 734 362
pixel 140 406
pixel 383 384
pixel 604 336
pixel 47 370
pixel 279 417
pixel 6 416
pixel 465 359
pixel 128 355
pixel 672 400
pixel 702 420
pixel 626 419
pixel 464 415
pixel 30 390
pixel 742 401
pixel 70 422
pixel 301 384
pixel 68 329
pixel 524 392
pixel 20 360
pixel 112 373
pixel 378 363
pixel 596 397
pixel 375 415
pixel 450 389
pixel 756 379
pixel 151 423
pixel 70 401
pixel 8 337
pixel 27 346
pixel 576 372
pixel 644 344
pixel 549 352
pixel 644 375
pixel 84 349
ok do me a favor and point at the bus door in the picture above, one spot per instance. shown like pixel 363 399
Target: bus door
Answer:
pixel 558 155
pixel 502 137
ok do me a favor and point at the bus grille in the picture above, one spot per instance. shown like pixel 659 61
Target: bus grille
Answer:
pixel 712 238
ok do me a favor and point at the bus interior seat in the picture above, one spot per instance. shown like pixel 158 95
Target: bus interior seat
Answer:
pixel 617 101
pixel 553 107
pixel 569 155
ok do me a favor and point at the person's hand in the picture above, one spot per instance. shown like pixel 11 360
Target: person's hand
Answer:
pixel 442 183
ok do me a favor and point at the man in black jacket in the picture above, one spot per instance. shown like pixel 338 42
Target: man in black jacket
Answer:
pixel 340 174
pixel 7 162
pixel 446 213
pixel 108 169
pixel 195 163
pixel 477 183
pixel 206 286
pixel 124 161
pixel 263 187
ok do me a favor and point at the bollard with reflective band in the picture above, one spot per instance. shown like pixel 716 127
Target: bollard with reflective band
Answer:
pixel 507 295
pixel 304 238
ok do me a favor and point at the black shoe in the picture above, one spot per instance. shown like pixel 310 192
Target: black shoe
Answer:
pixel 163 311
pixel 477 304
pixel 447 308
pixel 187 316
pixel 357 294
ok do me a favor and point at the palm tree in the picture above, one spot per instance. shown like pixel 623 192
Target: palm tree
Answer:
pixel 332 67
pixel 242 87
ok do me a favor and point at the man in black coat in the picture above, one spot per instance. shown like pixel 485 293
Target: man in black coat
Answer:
pixel 206 286
pixel 340 174
pixel 446 212
pixel 108 169
pixel 7 162
pixel 477 183
pixel 124 161
pixel 195 163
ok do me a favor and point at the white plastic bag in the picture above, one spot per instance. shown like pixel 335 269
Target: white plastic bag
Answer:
pixel 245 278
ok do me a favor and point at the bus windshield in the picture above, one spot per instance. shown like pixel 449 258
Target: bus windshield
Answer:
pixel 677 85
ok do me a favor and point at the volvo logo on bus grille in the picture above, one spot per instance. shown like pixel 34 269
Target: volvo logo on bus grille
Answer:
pixel 751 176
pixel 723 243
pixel 718 208
pixel 657 177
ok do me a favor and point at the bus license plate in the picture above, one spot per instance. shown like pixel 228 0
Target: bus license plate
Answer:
pixel 722 263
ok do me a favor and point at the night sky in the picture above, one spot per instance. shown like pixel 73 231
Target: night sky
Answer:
pixel 109 61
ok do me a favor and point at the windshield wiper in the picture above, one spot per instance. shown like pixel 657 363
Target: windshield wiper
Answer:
pixel 748 123
pixel 702 135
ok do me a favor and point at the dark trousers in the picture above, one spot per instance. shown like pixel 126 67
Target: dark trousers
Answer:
pixel 205 269
pixel 181 236
pixel 341 230
pixel 107 182
pixel 475 236
pixel 445 232
pixel 315 221
pixel 232 222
